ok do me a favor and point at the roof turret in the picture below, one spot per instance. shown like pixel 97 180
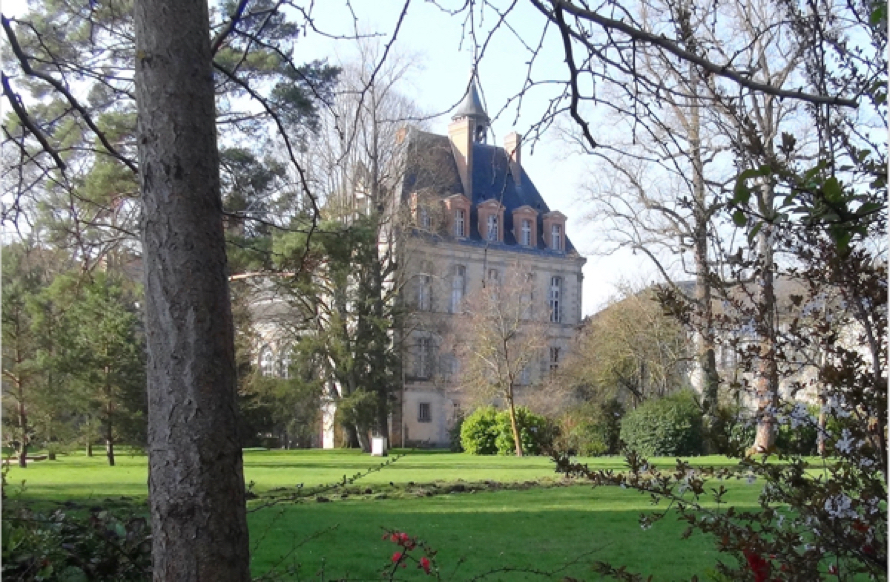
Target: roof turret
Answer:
pixel 471 106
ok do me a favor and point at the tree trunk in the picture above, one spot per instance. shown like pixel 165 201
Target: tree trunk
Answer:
pixel 89 447
pixel 766 383
pixel 196 479
pixel 109 409
pixel 23 427
pixel 351 433
pixel 517 441
pixel 109 443
pixel 708 380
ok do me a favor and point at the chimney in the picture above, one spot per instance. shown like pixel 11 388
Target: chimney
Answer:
pixel 512 145
pixel 460 132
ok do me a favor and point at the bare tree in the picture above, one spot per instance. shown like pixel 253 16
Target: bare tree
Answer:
pixel 631 350
pixel 196 479
pixel 500 334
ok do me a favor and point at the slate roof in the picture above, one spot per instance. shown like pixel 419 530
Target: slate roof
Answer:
pixel 431 166
pixel 471 106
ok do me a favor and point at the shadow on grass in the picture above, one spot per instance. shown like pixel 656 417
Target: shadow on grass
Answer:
pixel 476 533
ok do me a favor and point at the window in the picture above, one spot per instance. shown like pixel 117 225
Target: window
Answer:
pixel 492 228
pixel 425 221
pixel 423 362
pixel 525 376
pixel 449 366
pixel 527 296
pixel 526 239
pixel 457 287
pixel 424 293
pixel 459 222
pixel 284 362
pixel 554 359
pixel 267 361
pixel 424 412
pixel 493 275
pixel 555 292
pixel 556 237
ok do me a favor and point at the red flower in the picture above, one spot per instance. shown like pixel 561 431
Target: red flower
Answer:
pixel 832 569
pixel 758 566
pixel 425 564
pixel 397 556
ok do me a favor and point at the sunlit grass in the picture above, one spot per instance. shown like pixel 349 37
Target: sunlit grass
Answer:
pixel 533 527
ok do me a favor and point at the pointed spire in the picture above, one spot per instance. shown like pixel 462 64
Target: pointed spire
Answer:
pixel 471 106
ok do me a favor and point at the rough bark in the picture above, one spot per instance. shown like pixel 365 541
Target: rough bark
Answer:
pixel 196 481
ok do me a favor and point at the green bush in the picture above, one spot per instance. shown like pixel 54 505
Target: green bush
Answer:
pixel 61 547
pixel 535 432
pixel 591 429
pixel 665 427
pixel 732 432
pixel 735 431
pixel 479 432
pixel 487 432
pixel 454 435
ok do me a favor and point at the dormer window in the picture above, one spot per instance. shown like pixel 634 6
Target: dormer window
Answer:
pixel 460 223
pixel 556 237
pixel 525 220
pixel 555 230
pixel 492 228
pixel 491 217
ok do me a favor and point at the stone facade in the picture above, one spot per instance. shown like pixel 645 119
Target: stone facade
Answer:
pixel 473 214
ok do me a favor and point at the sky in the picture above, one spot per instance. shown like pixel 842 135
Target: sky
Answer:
pixel 442 48
pixel 444 54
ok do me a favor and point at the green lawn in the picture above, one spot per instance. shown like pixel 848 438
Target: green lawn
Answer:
pixel 523 525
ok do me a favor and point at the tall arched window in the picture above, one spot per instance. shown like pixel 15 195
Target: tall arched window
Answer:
pixel 267 361
pixel 457 287
pixel 284 362
pixel 555 299
pixel 424 292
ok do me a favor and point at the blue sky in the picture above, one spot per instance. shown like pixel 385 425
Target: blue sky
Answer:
pixel 442 47
pixel 444 53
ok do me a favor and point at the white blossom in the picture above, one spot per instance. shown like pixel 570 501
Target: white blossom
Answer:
pixel 840 506
pixel 845 443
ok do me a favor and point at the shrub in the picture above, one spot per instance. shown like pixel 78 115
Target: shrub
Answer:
pixel 591 429
pixel 454 435
pixel 487 432
pixel 535 432
pixel 479 431
pixel 63 547
pixel 664 427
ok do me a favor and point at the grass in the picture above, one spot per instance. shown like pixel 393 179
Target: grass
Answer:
pixel 531 524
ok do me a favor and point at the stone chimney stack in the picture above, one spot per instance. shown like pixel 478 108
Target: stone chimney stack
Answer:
pixel 512 145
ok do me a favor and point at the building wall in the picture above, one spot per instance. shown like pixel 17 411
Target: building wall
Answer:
pixel 435 258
